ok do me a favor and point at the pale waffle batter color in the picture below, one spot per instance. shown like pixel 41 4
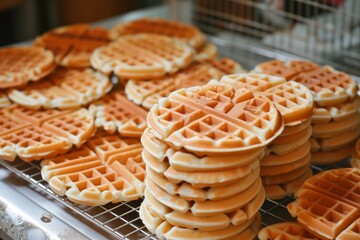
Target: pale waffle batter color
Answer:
pixel 108 169
pixel 19 65
pixel 115 113
pixel 73 45
pixel 33 135
pixel 64 88
pixel 142 56
pixel 148 93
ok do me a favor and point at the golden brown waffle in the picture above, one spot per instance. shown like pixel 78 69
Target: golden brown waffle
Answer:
pixel 4 100
pixel 115 113
pixel 148 93
pixel 142 56
pixel 355 161
pixel 329 87
pixel 328 203
pixel 64 88
pixel 85 179
pixel 215 119
pixel 73 45
pixel 337 112
pixel 207 52
pixel 33 135
pixel 160 26
pixel 287 70
pixel 320 157
pixel 19 65
pixel 285 231
pixel 352 232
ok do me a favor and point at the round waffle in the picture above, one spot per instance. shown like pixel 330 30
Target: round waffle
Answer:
pixel 73 45
pixel 285 231
pixel 173 29
pixel 327 204
pixel 148 93
pixel 115 113
pixel 215 120
pixel 320 157
pixel 355 162
pixel 142 56
pixel 329 87
pixel 287 70
pixel 19 65
pixel 64 88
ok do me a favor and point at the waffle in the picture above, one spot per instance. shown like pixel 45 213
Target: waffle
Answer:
pixel 285 177
pixel 292 129
pixel 19 65
pixel 355 162
pixel 85 179
pixel 148 93
pixel 285 231
pixel 335 113
pixel 286 70
pixel 331 157
pixel 73 45
pixel 32 143
pixel 327 203
pixel 64 88
pixel 107 145
pixel 207 52
pixel 4 100
pixel 351 233
pixel 142 56
pixel 329 87
pixel 333 128
pixel 33 135
pixel 115 113
pixel 215 119
pixel 160 26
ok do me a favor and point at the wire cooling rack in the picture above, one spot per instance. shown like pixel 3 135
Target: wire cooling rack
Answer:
pixel 122 219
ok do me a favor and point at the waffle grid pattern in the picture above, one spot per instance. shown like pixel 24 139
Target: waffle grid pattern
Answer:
pixel 122 219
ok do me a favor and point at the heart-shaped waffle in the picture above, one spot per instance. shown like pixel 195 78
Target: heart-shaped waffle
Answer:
pixel 215 119
pixel 64 88
pixel 19 65
pixel 33 135
pixel 148 93
pixel 327 204
pixel 142 56
pixel 115 113
pixel 169 28
pixel 286 70
pixel 73 45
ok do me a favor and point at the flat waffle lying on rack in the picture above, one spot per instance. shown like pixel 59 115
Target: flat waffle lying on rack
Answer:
pixel 109 168
pixel 173 29
pixel 34 135
pixel 148 93
pixel 142 56
pixel 284 167
pixel 285 231
pixel 73 45
pixel 19 65
pixel 115 113
pixel 327 205
pixel 64 88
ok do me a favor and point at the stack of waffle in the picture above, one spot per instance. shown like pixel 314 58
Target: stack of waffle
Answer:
pixel 335 123
pixel 286 164
pixel 202 149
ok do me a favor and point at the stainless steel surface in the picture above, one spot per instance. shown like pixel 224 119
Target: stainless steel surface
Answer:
pixel 121 220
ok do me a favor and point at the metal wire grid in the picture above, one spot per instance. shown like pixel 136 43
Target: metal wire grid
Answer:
pixel 122 219
pixel 328 33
